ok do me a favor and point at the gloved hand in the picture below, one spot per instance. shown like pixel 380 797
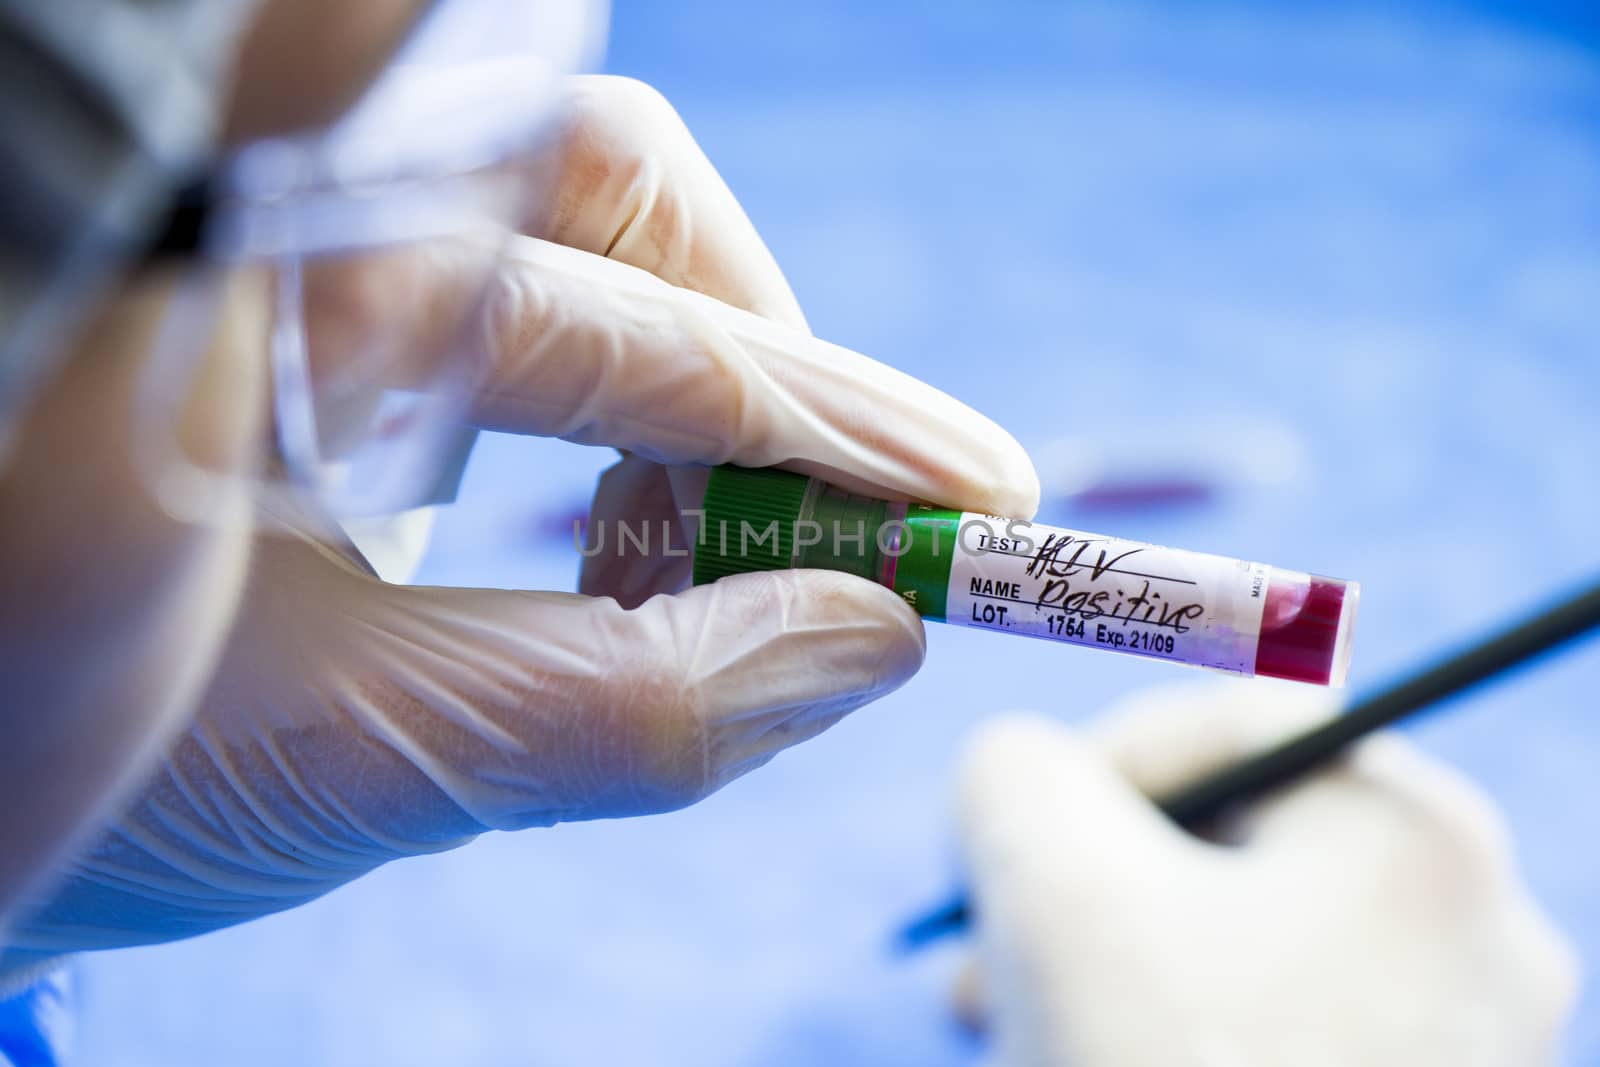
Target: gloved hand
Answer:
pixel 353 722
pixel 1369 916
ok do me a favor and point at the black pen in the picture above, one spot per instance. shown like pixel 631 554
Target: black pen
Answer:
pixel 1209 798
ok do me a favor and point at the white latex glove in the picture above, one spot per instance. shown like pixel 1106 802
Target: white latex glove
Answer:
pixel 353 722
pixel 1368 917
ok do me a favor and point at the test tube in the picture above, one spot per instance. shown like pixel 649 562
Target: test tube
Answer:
pixel 1019 577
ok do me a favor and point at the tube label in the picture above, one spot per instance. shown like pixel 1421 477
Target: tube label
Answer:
pixel 1085 589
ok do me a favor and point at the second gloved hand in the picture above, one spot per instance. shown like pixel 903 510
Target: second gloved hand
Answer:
pixel 1369 916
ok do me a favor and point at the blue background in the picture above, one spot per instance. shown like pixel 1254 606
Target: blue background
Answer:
pixel 1371 237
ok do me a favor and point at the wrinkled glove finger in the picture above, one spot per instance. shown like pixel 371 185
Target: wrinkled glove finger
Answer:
pixel 597 352
pixel 353 722
pixel 568 707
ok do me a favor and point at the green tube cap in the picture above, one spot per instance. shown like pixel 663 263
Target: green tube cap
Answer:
pixel 749 521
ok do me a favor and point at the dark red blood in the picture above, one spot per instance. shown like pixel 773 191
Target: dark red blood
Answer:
pixel 1300 647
